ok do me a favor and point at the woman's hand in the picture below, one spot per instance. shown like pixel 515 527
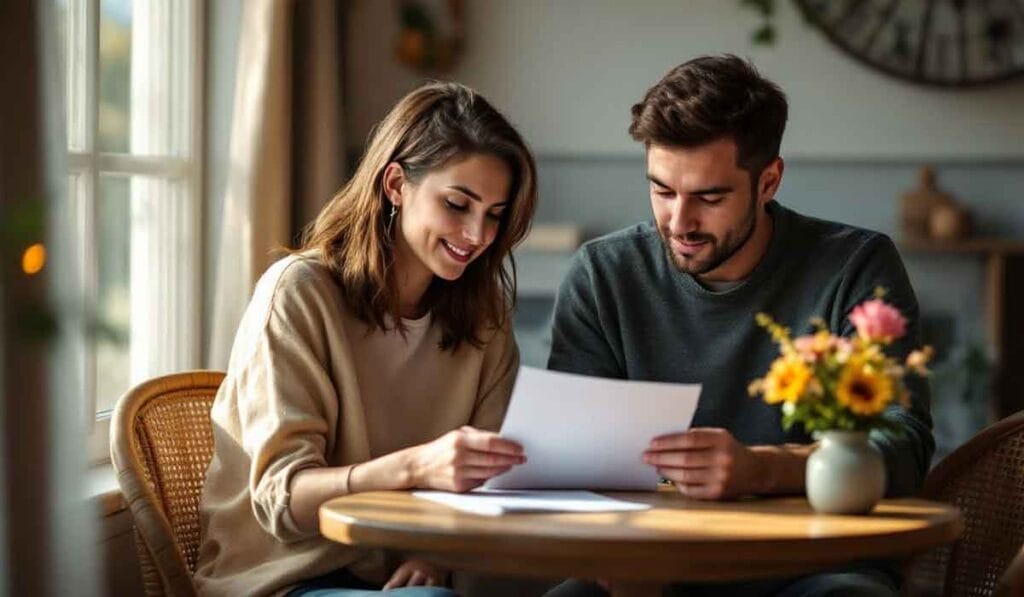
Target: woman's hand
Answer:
pixel 417 573
pixel 463 459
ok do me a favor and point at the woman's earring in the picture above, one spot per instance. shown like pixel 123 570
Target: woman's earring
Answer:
pixel 391 217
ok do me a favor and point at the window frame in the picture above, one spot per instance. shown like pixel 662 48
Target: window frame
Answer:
pixel 86 163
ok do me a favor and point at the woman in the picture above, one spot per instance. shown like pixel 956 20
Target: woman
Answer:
pixel 379 356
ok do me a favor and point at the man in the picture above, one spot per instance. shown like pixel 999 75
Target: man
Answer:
pixel 674 301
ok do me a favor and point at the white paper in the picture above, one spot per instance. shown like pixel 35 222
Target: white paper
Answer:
pixel 490 502
pixel 582 432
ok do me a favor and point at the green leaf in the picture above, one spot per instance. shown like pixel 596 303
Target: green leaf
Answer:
pixel 413 16
pixel 22 223
pixel 765 35
pixel 34 321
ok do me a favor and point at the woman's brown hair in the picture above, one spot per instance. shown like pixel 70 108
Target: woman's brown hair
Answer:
pixel 430 128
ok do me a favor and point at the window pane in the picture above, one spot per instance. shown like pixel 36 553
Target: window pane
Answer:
pixel 115 75
pixel 164 69
pixel 113 292
pixel 78 69
pixel 60 18
pixel 79 209
pixel 145 282
pixel 163 276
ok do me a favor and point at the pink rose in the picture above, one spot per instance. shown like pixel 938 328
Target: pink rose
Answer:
pixel 878 320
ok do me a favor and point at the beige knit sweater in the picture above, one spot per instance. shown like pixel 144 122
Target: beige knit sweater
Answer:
pixel 305 388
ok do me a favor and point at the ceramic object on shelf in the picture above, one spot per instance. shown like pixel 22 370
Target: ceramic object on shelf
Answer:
pixel 919 206
pixel 949 222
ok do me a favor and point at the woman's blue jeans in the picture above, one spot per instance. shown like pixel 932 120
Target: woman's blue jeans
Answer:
pixel 342 583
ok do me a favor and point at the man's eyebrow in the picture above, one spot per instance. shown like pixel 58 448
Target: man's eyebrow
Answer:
pixel 712 191
pixel 654 179
pixel 717 190
pixel 473 194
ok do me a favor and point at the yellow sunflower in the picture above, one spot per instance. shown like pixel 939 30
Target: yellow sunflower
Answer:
pixel 786 380
pixel 864 390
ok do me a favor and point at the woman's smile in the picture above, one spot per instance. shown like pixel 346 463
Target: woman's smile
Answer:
pixel 460 254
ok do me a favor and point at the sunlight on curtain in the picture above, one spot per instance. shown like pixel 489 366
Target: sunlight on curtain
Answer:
pixel 285 147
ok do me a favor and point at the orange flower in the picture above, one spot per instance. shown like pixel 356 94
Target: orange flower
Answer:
pixel 786 380
pixel 864 390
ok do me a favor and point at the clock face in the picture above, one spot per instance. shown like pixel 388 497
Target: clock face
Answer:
pixel 949 43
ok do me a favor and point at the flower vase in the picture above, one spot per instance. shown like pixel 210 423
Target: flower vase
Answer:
pixel 845 474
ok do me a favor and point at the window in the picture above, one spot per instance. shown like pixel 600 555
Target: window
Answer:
pixel 133 115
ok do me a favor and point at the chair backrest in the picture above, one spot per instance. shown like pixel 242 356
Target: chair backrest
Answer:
pixel 1012 582
pixel 984 478
pixel 161 443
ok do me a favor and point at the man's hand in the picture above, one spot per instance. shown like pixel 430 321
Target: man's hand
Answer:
pixel 709 464
pixel 417 573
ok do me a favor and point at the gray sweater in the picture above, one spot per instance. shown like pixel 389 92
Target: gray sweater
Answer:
pixel 625 312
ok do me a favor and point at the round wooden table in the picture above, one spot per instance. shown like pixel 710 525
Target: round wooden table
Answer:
pixel 676 540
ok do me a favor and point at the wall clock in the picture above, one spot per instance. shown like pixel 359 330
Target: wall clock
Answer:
pixel 947 43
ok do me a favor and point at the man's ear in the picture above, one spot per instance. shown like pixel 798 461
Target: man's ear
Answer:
pixel 393 182
pixel 771 178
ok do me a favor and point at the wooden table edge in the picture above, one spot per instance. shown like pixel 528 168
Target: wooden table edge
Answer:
pixel 657 559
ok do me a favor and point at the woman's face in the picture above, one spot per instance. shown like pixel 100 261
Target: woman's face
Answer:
pixel 450 217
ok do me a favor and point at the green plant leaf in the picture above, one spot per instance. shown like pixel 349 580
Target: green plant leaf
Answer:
pixel 765 35
pixel 413 16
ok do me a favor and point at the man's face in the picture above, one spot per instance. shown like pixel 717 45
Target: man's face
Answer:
pixel 703 204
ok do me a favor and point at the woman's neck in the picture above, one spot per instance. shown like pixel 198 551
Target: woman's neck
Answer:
pixel 413 279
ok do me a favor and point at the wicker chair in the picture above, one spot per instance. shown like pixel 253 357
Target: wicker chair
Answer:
pixel 1012 582
pixel 985 479
pixel 161 442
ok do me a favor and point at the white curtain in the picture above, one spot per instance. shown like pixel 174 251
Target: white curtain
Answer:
pixel 286 155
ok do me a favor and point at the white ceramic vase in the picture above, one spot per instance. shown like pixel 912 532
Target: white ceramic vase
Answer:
pixel 846 474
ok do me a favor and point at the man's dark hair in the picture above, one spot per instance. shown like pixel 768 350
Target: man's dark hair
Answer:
pixel 710 98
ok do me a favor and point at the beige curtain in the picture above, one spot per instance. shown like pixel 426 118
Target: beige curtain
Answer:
pixel 286 154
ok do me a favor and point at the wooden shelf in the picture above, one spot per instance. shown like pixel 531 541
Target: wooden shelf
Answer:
pixel 1004 300
pixel 1002 246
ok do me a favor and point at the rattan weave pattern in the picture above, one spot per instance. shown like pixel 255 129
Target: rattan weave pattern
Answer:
pixel 985 480
pixel 179 445
pixel 161 442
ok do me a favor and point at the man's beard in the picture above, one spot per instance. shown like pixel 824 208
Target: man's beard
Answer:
pixel 721 251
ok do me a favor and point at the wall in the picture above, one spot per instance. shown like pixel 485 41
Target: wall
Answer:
pixel 567 71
